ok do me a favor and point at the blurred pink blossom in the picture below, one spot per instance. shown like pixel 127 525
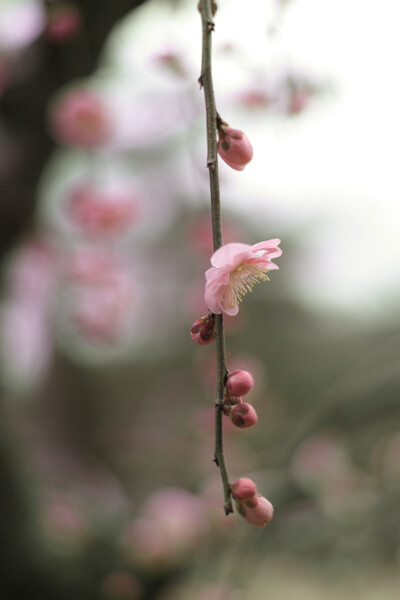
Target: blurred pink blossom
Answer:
pixel 236 268
pixel 102 301
pixel 80 118
pixel 25 341
pixel 171 525
pixel 255 98
pixel 98 300
pixel 63 22
pixel 102 210
pixel 92 266
pixel 20 23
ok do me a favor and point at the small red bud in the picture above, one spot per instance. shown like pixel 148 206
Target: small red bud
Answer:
pixel 243 415
pixel 243 489
pixel 239 382
pixel 202 331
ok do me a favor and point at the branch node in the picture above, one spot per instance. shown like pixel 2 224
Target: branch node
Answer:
pixel 211 165
pixel 228 508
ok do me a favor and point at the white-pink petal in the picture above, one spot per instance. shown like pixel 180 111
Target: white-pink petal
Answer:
pixel 230 254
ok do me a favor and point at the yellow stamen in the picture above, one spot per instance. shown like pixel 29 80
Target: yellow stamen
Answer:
pixel 242 280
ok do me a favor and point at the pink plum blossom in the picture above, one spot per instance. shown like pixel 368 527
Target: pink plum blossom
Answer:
pixel 80 118
pixel 236 268
pixel 234 147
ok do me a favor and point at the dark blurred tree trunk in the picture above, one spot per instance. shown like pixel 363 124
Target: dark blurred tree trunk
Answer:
pixel 25 147
pixel 47 67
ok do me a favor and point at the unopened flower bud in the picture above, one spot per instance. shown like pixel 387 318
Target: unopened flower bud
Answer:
pixel 203 330
pixel 239 383
pixel 243 489
pixel 258 511
pixel 234 147
pixel 243 415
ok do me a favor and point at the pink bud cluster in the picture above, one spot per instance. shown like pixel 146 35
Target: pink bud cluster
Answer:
pixel 202 331
pixel 238 384
pixel 251 505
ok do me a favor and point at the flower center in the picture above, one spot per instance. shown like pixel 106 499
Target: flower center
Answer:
pixel 242 280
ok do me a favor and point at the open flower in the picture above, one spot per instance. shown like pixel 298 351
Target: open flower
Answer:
pixel 236 268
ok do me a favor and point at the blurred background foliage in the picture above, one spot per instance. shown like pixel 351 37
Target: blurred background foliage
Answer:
pixel 108 489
